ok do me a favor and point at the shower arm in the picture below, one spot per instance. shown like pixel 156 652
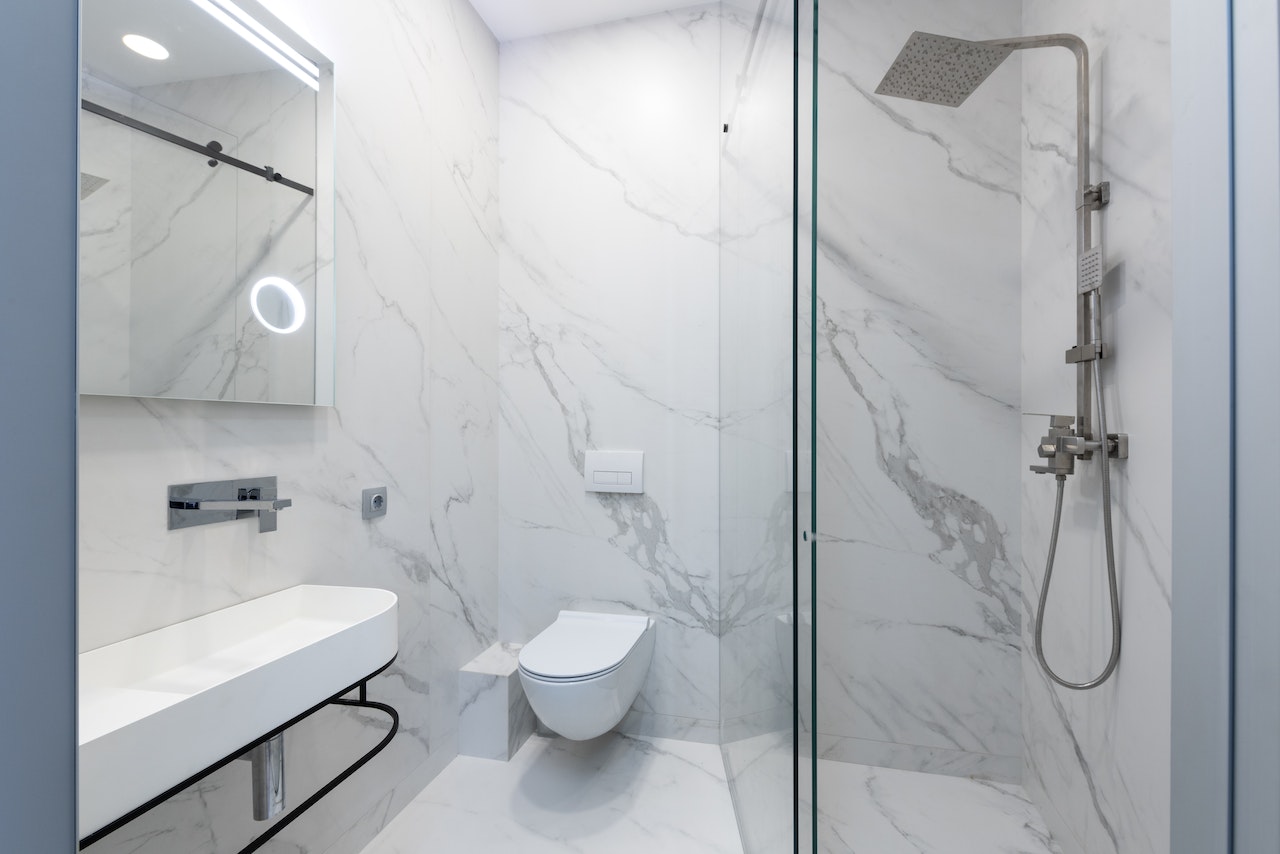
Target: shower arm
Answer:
pixel 1088 199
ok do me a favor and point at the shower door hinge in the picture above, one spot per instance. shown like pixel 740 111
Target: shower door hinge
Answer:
pixel 1096 196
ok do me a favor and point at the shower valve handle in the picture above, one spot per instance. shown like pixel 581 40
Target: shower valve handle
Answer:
pixel 1053 448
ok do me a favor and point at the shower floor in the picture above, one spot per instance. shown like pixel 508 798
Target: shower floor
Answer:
pixel 617 794
pixel 865 810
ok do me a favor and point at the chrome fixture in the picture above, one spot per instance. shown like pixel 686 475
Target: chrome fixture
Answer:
pixel 268 777
pixel 192 504
pixel 946 71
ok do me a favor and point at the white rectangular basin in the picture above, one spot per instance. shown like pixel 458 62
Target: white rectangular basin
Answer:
pixel 158 708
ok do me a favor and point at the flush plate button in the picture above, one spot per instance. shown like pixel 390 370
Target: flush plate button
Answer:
pixel 373 502
pixel 613 471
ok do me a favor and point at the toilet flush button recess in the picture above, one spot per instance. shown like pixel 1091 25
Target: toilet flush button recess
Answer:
pixel 614 471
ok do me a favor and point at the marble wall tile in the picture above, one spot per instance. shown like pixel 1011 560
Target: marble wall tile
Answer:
pixel 1098 762
pixel 417 407
pixel 896 812
pixel 755 359
pixel 608 320
pixel 756 323
pixel 463 360
pixel 929 760
pixel 917 600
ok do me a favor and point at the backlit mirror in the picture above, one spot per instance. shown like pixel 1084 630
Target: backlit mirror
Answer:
pixel 206 204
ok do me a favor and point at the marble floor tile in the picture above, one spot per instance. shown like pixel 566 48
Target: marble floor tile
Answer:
pixel 865 810
pixel 615 794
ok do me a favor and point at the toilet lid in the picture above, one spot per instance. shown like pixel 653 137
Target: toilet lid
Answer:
pixel 580 644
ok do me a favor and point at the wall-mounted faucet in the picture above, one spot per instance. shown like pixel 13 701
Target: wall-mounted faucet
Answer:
pixel 192 504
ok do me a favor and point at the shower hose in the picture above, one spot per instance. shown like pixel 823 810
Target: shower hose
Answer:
pixel 1111 557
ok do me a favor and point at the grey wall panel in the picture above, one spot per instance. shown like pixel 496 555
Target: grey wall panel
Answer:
pixel 1201 428
pixel 1256 792
pixel 38 198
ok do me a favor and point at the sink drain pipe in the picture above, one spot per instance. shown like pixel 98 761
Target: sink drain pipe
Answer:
pixel 268 778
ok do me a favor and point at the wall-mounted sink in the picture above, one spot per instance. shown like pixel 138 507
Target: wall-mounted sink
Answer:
pixel 161 707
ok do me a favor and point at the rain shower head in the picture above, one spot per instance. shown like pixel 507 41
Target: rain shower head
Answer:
pixel 941 70
pixel 90 184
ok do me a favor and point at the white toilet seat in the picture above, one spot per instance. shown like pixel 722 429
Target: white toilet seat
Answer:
pixel 580 645
pixel 545 678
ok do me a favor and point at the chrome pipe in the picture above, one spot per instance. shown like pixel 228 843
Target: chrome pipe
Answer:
pixel 267 760
pixel 1112 584
pixel 1088 312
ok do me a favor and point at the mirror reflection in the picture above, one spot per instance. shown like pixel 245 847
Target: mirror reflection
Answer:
pixel 206 212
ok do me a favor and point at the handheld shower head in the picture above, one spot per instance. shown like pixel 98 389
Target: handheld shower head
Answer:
pixel 940 69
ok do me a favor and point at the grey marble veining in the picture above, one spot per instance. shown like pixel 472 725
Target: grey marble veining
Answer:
pixel 887 811
pixel 918 602
pixel 417 410
pixel 756 517
pixel 609 334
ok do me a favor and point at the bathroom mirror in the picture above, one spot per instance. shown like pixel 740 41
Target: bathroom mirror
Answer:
pixel 206 204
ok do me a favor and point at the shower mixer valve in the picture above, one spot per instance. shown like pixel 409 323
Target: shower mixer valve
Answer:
pixel 1063 445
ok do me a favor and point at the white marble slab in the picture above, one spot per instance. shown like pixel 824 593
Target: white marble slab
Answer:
pixel 1098 762
pixel 494 716
pixel 759 769
pixel 887 811
pixel 609 308
pixel 931 760
pixel 621 794
pixel 918 605
pixel 756 322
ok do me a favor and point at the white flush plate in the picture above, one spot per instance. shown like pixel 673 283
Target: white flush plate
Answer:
pixel 614 471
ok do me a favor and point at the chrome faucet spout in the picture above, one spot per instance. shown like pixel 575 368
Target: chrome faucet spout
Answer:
pixel 259 504
pixel 221 501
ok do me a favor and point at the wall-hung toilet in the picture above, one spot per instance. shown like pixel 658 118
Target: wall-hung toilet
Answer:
pixel 583 672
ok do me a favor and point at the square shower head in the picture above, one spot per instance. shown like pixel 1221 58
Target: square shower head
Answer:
pixel 90 184
pixel 941 70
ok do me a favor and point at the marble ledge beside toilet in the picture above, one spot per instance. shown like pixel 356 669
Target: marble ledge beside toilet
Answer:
pixel 494 717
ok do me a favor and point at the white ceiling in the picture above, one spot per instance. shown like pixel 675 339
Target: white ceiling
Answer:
pixel 517 19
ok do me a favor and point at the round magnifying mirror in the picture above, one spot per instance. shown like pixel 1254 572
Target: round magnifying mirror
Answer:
pixel 278 305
